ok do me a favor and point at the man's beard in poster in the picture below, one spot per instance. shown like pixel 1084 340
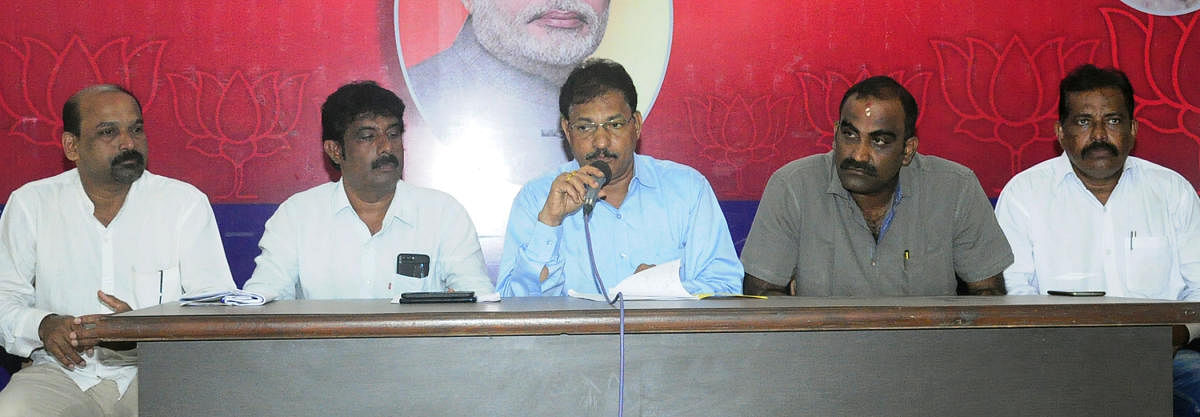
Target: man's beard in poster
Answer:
pixel 510 40
pixel 128 166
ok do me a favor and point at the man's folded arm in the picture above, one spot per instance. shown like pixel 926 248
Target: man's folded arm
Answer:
pixel 203 266
pixel 277 268
pixel 461 256
pixel 710 263
pixel 529 247
pixel 1013 219
pixel 19 320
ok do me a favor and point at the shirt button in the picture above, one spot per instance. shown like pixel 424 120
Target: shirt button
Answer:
pixel 624 256
pixel 618 216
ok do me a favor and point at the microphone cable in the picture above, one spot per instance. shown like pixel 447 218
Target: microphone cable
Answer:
pixel 619 299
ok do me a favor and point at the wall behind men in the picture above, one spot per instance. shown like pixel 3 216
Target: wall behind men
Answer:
pixel 231 89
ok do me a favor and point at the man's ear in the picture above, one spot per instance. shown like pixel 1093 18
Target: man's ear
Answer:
pixel 910 149
pixel 333 149
pixel 637 128
pixel 566 129
pixel 70 144
pixel 1058 132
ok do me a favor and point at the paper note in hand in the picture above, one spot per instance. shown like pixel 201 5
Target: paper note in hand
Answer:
pixel 658 283
pixel 223 297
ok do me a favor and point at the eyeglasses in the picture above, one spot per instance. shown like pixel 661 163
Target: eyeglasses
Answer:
pixel 586 129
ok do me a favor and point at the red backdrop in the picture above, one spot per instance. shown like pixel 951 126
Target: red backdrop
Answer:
pixel 232 89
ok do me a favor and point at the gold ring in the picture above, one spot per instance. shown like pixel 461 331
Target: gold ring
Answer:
pixel 570 174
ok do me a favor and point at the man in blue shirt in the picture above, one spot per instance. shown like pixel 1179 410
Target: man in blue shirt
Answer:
pixel 650 212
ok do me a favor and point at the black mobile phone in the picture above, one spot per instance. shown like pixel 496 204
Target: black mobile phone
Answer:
pixel 438 297
pixel 1076 293
pixel 414 265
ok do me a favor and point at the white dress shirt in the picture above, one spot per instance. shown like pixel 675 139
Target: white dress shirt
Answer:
pixel 55 255
pixel 315 246
pixel 1144 243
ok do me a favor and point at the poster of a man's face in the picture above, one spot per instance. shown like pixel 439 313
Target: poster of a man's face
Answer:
pixel 536 34
pixel 484 76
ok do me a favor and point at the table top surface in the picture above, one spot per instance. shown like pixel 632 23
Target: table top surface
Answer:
pixel 564 315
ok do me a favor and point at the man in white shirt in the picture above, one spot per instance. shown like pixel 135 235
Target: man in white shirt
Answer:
pixel 102 238
pixel 1097 219
pixel 370 234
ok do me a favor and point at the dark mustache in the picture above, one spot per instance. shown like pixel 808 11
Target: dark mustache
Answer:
pixel 599 153
pixel 1100 145
pixel 849 163
pixel 386 158
pixel 129 155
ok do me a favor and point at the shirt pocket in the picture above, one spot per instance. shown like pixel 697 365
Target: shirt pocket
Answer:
pixel 1149 266
pixel 402 283
pixel 154 286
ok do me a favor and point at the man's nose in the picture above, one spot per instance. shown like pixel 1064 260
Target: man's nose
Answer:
pixel 1099 132
pixel 384 145
pixel 861 151
pixel 602 138
pixel 125 141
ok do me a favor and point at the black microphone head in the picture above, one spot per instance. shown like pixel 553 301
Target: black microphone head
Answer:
pixel 604 169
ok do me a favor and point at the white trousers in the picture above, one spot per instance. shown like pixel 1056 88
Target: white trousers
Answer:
pixel 45 390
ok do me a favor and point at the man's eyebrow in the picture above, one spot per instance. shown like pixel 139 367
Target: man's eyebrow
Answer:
pixel 883 132
pixel 845 124
pixel 105 124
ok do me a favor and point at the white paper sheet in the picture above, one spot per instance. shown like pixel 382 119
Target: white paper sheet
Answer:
pixel 658 283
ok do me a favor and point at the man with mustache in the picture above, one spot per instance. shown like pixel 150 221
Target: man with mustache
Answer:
pixel 650 212
pixel 370 234
pixel 105 237
pixel 496 88
pixel 874 217
pixel 1097 219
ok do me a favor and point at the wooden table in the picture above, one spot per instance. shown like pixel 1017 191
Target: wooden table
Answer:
pixel 918 356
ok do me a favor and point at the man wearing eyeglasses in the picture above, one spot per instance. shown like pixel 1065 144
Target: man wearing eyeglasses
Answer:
pixel 873 217
pixel 650 212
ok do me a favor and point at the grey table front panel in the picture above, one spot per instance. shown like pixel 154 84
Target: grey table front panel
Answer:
pixel 966 372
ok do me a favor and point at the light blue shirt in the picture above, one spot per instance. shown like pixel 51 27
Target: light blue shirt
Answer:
pixel 669 213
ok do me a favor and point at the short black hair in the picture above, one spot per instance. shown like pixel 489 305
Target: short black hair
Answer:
pixel 354 101
pixel 883 87
pixel 594 78
pixel 1088 77
pixel 72 120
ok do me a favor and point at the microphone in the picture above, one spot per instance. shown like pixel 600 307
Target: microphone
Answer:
pixel 589 198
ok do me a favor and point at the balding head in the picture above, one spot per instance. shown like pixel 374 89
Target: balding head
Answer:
pixel 70 112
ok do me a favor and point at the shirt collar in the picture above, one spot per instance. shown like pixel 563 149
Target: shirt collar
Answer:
pixel 1061 169
pixel 644 172
pixel 399 209
pixel 87 201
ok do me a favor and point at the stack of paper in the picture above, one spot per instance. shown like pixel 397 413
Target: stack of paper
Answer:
pixel 224 297
pixel 658 283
